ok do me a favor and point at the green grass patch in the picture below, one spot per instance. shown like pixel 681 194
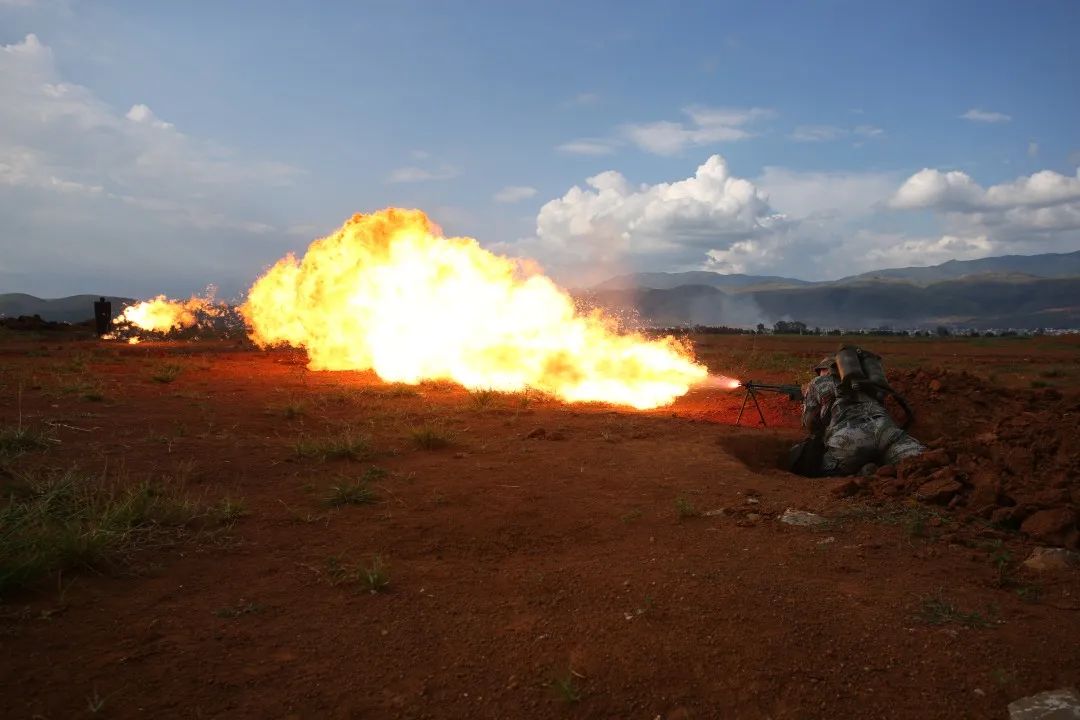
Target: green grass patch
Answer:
pixel 167 372
pixel 567 689
pixel 344 445
pixel 936 610
pixel 684 508
pixel 18 440
pixel 239 610
pixel 373 577
pixel 356 492
pixel 430 437
pixel 57 522
pixel 228 510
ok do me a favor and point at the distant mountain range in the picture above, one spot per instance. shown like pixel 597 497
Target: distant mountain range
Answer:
pixel 1047 265
pixel 72 309
pixel 1011 291
pixel 667 281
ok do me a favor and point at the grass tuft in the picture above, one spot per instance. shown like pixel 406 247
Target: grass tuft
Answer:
pixel 936 610
pixel 346 445
pixel 228 510
pixel 15 441
pixel 483 397
pixel 567 689
pixel 684 508
pixel 357 492
pixel 374 577
pixel 430 437
pixel 231 613
pixel 167 372
pixel 71 521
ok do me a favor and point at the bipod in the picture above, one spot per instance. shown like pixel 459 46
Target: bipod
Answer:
pixel 751 394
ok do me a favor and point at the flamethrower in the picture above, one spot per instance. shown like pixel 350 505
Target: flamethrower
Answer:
pixel 794 393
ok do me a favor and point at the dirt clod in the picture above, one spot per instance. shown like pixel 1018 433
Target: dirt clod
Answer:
pixel 1056 526
pixel 939 490
pixel 1043 559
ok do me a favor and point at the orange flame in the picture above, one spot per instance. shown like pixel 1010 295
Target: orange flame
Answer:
pixel 387 292
pixel 161 314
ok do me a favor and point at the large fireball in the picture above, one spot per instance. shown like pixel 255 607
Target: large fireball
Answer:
pixel 387 292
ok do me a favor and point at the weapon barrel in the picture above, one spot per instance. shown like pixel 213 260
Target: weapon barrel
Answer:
pixel 792 391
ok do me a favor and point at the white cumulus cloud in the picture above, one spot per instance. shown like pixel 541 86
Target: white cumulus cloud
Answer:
pixel 666 224
pixel 817 133
pixel 986 116
pixel 957 191
pixel 142 114
pixel 1033 213
pixel 589 147
pixel 706 126
pixel 413 174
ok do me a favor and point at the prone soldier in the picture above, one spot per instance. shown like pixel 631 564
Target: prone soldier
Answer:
pixel 848 416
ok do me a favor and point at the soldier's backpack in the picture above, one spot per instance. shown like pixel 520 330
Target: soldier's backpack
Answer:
pixel 862 377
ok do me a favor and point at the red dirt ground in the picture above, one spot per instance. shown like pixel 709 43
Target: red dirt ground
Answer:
pixel 516 561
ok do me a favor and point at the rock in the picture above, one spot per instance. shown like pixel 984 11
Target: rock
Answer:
pixel 938 490
pixel 1021 460
pixel 844 488
pixel 1053 527
pixel 1063 704
pixel 537 433
pixel 753 517
pixel 934 458
pixel 1008 516
pixel 887 471
pixel 801 518
pixel 1051 497
pixel 985 490
pixel 935 386
pixel 1046 559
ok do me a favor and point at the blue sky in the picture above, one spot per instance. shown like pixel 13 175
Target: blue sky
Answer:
pixel 150 147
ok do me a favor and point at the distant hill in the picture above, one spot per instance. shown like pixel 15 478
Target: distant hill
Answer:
pixel 1018 291
pixel 667 281
pixel 1047 265
pixel 968 302
pixel 72 309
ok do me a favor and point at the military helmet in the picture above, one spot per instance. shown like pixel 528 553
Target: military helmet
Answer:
pixel 828 362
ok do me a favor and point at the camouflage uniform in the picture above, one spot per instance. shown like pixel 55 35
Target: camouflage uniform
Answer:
pixel 856 431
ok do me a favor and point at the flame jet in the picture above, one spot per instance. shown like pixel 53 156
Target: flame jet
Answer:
pixel 387 292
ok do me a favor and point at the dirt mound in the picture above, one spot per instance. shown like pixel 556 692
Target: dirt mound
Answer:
pixel 1010 458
